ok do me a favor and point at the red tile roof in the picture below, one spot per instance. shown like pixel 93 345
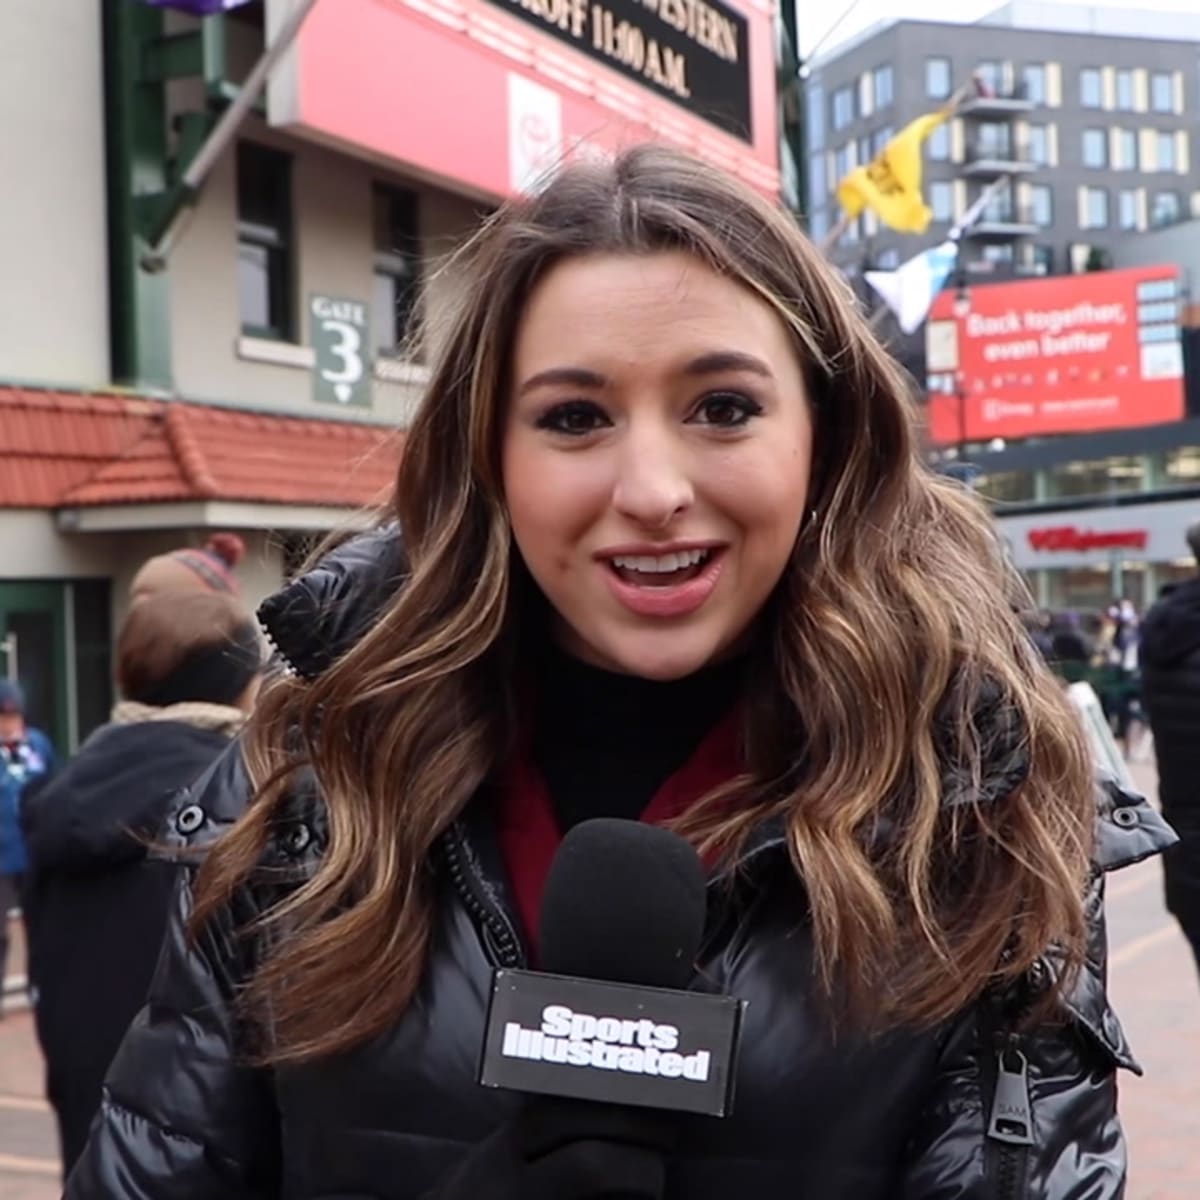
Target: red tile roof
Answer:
pixel 67 449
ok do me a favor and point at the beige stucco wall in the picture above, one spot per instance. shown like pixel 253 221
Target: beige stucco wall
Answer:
pixel 53 239
pixel 35 549
pixel 332 222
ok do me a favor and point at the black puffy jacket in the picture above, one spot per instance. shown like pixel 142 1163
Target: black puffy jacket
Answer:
pixel 1169 656
pixel 902 1116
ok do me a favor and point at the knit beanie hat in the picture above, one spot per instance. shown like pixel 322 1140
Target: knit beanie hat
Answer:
pixel 209 568
pixel 12 698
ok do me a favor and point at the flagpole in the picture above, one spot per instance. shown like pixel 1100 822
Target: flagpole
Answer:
pixel 166 233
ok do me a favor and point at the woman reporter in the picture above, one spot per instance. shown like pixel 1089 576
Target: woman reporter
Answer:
pixel 669 553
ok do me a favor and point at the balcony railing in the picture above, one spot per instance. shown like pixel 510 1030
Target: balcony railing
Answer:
pixel 987 158
pixel 1001 222
pixel 990 101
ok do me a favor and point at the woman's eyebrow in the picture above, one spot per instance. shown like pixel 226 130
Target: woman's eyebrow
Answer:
pixel 573 376
pixel 727 360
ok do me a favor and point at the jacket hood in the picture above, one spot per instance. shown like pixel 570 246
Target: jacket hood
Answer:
pixel 320 615
pixel 107 802
pixel 1171 629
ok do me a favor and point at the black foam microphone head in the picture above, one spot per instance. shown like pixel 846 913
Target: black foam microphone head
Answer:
pixel 624 901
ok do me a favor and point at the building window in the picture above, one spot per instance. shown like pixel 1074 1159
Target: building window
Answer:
pixel 1165 209
pixel 1010 486
pixel 1124 89
pixel 880 138
pixel 1033 82
pixel 818 184
pixel 1095 208
pixel 938 145
pixel 264 231
pixel 885 87
pixel 1091 93
pixel 1127 209
pixel 999 208
pixel 888 260
pixel 1043 260
pixel 1041 204
pixel 843 107
pixel 941 200
pixel 1039 145
pixel 815 117
pixel 993 139
pixel 937 78
pixel 990 76
pixel 1095 148
pixel 999 253
pixel 864 149
pixel 397 272
pixel 1166 151
pixel 818 225
pixel 1162 92
pixel 1126 150
pixel 843 161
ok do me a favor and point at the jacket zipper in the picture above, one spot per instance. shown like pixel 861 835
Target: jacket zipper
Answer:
pixel 499 938
pixel 1011 1122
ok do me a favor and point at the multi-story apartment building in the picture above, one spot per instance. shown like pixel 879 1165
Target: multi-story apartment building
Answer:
pixel 254 378
pixel 1092 113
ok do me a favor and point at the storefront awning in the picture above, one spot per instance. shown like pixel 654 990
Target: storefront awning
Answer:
pixel 108 461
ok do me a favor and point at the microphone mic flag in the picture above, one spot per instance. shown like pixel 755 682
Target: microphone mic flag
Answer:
pixel 608 1019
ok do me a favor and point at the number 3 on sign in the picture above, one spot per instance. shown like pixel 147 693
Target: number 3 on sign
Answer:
pixel 338 337
pixel 346 350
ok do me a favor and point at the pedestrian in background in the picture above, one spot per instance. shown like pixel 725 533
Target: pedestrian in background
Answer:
pixel 667 552
pixel 26 761
pixel 1169 656
pixel 210 567
pixel 188 669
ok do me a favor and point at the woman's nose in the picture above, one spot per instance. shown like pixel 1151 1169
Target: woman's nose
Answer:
pixel 653 484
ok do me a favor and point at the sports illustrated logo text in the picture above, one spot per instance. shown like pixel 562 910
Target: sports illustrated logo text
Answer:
pixel 608 1043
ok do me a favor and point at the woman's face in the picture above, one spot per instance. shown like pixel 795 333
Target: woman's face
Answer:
pixel 656 454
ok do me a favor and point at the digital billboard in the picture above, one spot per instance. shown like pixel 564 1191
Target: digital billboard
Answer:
pixel 1068 354
pixel 489 94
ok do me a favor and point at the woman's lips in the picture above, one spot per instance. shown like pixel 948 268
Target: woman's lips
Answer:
pixel 664 599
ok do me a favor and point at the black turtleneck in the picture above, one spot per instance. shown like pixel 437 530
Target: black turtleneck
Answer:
pixel 605 743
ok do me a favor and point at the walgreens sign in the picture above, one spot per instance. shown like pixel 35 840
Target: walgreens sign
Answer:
pixel 1062 355
pixel 1155 532
pixel 1062 538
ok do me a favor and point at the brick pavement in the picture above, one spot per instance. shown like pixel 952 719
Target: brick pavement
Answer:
pixel 1154 988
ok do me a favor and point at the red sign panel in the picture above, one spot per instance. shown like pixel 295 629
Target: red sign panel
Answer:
pixel 489 94
pixel 1063 355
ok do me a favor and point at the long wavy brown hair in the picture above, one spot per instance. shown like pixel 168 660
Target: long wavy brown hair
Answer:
pixel 891 631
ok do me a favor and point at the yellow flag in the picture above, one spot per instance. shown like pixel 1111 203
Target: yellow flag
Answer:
pixel 890 184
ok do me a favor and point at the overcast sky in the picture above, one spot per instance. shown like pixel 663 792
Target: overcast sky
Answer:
pixel 815 19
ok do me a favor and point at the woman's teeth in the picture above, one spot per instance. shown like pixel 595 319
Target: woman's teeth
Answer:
pixel 661 564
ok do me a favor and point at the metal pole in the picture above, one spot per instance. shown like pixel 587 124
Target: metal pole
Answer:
pixel 162 239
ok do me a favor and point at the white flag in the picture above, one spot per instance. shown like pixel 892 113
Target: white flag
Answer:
pixel 909 290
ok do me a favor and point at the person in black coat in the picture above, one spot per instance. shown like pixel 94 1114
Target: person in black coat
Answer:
pixel 662 548
pixel 188 667
pixel 1169 656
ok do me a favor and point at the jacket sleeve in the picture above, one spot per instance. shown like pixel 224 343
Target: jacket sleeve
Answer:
pixel 182 1117
pixel 1031 1113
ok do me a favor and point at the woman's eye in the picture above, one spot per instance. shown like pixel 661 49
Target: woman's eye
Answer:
pixel 574 418
pixel 727 410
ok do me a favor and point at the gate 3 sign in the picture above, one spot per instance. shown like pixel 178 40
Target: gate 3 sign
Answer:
pixel 339 339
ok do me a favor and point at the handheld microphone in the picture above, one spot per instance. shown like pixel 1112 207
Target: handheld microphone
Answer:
pixel 608 1018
